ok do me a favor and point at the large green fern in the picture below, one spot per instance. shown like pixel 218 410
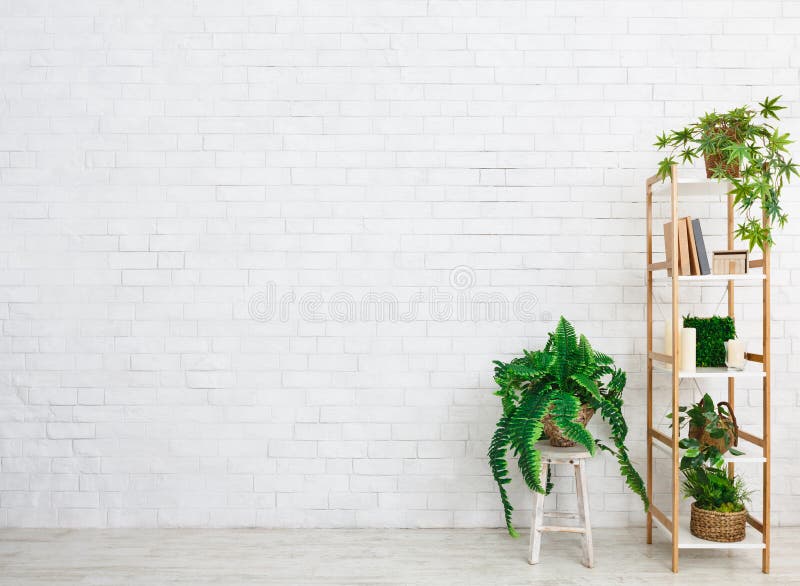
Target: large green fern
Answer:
pixel 557 380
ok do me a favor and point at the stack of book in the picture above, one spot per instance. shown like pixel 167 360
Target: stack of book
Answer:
pixel 692 256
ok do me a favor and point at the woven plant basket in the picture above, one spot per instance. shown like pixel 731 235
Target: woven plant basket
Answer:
pixel 715 526
pixel 553 432
pixel 731 431
pixel 714 160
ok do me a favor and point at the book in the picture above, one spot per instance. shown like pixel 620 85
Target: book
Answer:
pixel 694 261
pixel 700 245
pixel 684 262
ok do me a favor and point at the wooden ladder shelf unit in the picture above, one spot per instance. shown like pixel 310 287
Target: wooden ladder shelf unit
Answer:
pixel 675 528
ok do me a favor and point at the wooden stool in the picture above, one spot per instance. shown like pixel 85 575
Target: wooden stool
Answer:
pixel 575 456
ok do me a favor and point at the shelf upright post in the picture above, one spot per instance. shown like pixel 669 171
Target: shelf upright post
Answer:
pixel 676 364
pixel 649 435
pixel 731 381
pixel 765 324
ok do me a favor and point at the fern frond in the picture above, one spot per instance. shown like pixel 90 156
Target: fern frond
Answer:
pixel 564 346
pixel 586 354
pixel 564 410
pixel 525 429
pixel 611 411
pixel 603 359
pixel 499 465
pixel 588 383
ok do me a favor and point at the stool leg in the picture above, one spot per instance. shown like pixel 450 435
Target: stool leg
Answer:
pixel 537 519
pixel 583 513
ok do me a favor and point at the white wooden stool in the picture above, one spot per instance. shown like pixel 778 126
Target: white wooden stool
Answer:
pixel 576 457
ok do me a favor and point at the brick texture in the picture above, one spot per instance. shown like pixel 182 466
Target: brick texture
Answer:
pixel 203 203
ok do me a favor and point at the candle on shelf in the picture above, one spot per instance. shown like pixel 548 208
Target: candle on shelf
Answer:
pixel 668 337
pixel 735 354
pixel 688 349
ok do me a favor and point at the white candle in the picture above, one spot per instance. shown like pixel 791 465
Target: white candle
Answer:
pixel 688 349
pixel 735 354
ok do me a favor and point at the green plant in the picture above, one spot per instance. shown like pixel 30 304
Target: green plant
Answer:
pixel 556 380
pixel 713 419
pixel 733 141
pixel 712 333
pixel 714 490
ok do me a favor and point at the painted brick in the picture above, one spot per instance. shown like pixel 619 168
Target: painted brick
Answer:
pixel 162 184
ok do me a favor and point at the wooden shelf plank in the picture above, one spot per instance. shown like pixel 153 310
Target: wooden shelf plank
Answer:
pixel 752 454
pixel 711 372
pixel 693 186
pixel 701 279
pixel 752 538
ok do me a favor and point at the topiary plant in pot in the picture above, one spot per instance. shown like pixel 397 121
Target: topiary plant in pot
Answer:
pixel 560 381
pixel 742 147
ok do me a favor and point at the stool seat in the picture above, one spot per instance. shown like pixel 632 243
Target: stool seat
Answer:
pixel 575 456
pixel 557 455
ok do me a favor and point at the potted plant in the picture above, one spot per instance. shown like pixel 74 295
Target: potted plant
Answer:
pixel 712 432
pixel 718 510
pixel 742 147
pixel 566 378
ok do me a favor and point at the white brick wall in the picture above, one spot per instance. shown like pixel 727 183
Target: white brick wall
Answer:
pixel 162 162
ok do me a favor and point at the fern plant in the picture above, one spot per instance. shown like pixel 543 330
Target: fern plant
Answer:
pixel 557 380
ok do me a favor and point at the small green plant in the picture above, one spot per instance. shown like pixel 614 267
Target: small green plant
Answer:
pixel 745 150
pixel 712 333
pixel 713 490
pixel 557 381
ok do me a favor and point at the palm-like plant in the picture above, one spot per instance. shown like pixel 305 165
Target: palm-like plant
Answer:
pixel 557 380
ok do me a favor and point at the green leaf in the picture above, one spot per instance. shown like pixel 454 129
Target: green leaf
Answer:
pixel 661 141
pixel 665 168
pixel 770 108
pixel 587 383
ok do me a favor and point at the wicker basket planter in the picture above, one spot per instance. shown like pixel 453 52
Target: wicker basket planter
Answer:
pixel 715 526
pixel 553 432
pixel 727 422
pixel 715 160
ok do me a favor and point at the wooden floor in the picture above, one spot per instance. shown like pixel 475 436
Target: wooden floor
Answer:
pixel 470 556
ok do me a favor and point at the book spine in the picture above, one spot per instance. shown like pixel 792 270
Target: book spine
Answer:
pixel 700 244
pixel 684 259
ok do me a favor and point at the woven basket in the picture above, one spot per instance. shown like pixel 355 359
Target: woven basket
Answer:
pixel 553 432
pixel 726 421
pixel 715 526
pixel 715 160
